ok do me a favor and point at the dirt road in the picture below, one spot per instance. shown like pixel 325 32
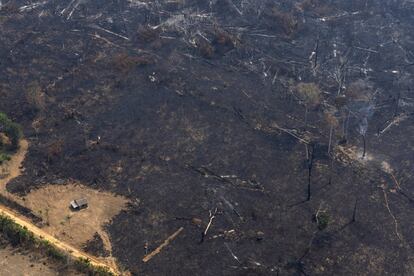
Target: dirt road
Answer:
pixel 14 171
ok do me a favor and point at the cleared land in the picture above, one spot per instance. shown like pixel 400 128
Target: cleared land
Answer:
pixel 52 205
pixel 75 228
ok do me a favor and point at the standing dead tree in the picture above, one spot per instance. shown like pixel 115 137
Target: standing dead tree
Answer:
pixel 341 105
pixel 313 58
pixel 310 156
pixel 362 101
pixel 333 124
pixel 339 77
pixel 339 74
pixel 364 140
pixel 355 211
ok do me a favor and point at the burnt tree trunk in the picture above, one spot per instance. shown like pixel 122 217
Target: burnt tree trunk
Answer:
pixel 355 210
pixel 330 139
pixel 310 166
pixel 364 151
pixel 397 103
pixel 306 117
pixel 346 124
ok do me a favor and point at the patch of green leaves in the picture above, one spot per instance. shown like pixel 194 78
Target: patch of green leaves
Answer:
pixel 322 220
pixel 4 157
pixel 11 130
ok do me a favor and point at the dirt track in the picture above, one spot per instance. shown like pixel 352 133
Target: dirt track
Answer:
pixel 14 170
pixel 13 166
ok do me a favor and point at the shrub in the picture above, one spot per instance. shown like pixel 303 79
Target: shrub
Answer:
pixel 4 157
pixel 224 38
pixel 15 233
pixel 309 94
pixel 205 48
pixel 148 34
pixel 322 220
pixel 286 21
pixel 54 149
pixel 12 130
pixel 52 251
pixel 125 62
pixel 35 96
pixel 85 266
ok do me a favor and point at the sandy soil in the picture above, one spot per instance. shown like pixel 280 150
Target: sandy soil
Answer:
pixel 74 227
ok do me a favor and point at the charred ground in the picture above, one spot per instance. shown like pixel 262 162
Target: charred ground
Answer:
pixel 189 106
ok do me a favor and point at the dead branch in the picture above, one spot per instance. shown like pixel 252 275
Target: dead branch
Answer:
pixel 232 208
pixel 73 10
pixel 105 40
pixel 67 7
pixel 31 6
pixel 387 205
pixel 233 180
pixel 235 7
pixel 396 121
pixel 290 132
pixel 232 254
pixel 164 244
pixel 212 216
pixel 264 35
pixel 108 31
pixel 397 184
pixel 366 49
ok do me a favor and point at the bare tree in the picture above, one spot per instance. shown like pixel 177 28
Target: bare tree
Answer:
pixel 310 156
pixel 362 96
pixel 333 123
pixel 362 129
pixel 355 210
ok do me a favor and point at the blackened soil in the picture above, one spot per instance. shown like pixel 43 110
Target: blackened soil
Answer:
pixel 191 106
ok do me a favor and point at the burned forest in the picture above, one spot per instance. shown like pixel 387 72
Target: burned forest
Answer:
pixel 220 137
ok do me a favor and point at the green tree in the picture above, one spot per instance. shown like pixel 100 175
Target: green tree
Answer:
pixel 12 130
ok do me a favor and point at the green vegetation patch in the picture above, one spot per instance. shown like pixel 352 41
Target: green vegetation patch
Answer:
pixel 4 157
pixel 84 265
pixel 15 233
pixel 12 130
pixel 322 220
